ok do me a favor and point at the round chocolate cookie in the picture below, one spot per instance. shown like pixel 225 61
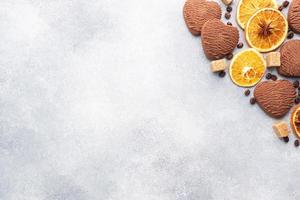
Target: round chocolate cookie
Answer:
pixel 197 12
pixel 218 39
pixel 275 97
pixel 294 16
pixel 290 59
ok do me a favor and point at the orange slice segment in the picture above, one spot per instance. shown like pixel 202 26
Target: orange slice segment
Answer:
pixel 247 8
pixel 295 120
pixel 266 30
pixel 247 68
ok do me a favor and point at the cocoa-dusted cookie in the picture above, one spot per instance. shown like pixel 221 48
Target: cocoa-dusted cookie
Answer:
pixel 294 16
pixel 290 59
pixel 218 39
pixel 197 12
pixel 275 97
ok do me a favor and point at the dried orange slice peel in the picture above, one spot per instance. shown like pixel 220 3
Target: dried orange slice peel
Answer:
pixel 247 68
pixel 295 120
pixel 246 8
pixel 266 30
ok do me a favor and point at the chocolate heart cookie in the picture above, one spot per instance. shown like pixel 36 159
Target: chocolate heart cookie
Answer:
pixel 294 16
pixel 275 97
pixel 197 12
pixel 290 59
pixel 218 39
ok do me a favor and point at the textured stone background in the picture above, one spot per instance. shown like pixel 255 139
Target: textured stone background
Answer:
pixel 114 100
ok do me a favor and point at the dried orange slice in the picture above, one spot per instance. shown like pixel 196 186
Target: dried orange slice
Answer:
pixel 295 120
pixel 247 8
pixel 266 30
pixel 247 68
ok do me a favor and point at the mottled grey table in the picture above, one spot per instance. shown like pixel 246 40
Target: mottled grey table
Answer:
pixel 114 100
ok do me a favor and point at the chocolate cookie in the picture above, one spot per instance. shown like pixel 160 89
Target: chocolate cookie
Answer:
pixel 218 39
pixel 290 59
pixel 275 97
pixel 197 12
pixel 294 16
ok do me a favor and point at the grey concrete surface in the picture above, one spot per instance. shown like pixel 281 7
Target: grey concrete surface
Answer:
pixel 114 100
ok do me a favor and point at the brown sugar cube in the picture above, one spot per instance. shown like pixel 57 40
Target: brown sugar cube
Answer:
pixel 218 65
pixel 273 59
pixel 227 2
pixel 281 129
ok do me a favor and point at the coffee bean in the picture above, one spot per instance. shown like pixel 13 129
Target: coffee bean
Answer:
pixel 297 100
pixel 240 45
pixel 280 8
pixel 229 23
pixel 222 74
pixel 290 35
pixel 227 15
pixel 268 76
pixel 252 100
pixel 296 143
pixel 274 78
pixel 285 4
pixel 229 56
pixel 247 92
pixel 286 139
pixel 229 9
pixel 296 84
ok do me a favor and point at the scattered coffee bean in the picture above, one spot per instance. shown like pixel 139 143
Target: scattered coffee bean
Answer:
pixel 297 100
pixel 290 35
pixel 229 23
pixel 247 92
pixel 274 78
pixel 286 139
pixel 252 100
pixel 240 45
pixel 268 76
pixel 285 4
pixel 296 143
pixel 222 74
pixel 229 56
pixel 229 9
pixel 296 84
pixel 227 15
pixel 280 8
